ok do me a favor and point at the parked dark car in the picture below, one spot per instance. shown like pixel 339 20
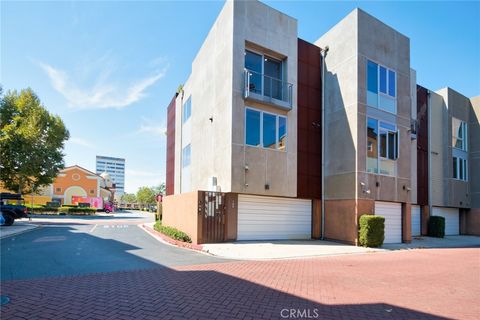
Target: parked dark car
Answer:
pixel 11 211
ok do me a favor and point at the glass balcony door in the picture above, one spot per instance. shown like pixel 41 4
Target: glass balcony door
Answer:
pixel 273 78
pixel 254 63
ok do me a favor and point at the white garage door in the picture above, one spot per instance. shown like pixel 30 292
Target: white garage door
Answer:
pixel 416 216
pixel 393 220
pixel 452 219
pixel 270 218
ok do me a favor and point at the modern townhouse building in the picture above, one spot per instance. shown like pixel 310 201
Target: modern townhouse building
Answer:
pixel 273 137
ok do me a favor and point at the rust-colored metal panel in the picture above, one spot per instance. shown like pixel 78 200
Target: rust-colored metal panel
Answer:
pixel 316 218
pixel 309 152
pixel 422 145
pixel 170 170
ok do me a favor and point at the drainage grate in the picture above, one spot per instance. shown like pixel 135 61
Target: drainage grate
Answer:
pixel 4 300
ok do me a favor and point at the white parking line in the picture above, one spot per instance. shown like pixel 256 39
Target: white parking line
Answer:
pixel 91 230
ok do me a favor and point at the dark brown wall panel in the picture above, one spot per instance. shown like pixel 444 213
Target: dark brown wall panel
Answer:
pixel 309 153
pixel 170 170
pixel 422 145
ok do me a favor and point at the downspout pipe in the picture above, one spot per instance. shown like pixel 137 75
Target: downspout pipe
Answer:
pixel 323 54
pixel 429 125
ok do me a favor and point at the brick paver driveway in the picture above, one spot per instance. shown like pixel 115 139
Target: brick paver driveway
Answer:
pixel 414 284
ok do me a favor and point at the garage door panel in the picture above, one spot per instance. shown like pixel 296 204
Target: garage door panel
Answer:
pixel 392 212
pixel 452 219
pixel 416 218
pixel 270 218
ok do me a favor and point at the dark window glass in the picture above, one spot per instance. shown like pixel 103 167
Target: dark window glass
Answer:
pixel 383 79
pixel 269 130
pixel 383 144
pixel 253 62
pixel 391 145
pixel 372 77
pixel 391 83
pixel 455 175
pixel 282 133
pixel 272 81
pixel 252 128
pixel 461 169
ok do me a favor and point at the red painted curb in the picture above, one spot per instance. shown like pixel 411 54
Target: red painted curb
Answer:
pixel 175 242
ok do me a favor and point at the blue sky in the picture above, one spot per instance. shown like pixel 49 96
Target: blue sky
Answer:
pixel 109 69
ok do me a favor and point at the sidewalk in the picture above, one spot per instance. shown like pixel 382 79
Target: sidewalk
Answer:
pixel 264 250
pixel 18 227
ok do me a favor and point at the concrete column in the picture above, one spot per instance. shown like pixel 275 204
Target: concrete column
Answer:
pixel 406 222
pixel 316 219
pixel 425 213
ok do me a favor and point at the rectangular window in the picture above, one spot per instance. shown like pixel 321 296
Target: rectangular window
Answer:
pixel 372 77
pixel 265 75
pixel 282 132
pixel 391 83
pixel 186 156
pixel 372 145
pixel 381 87
pixel 383 79
pixel 273 78
pixel 254 63
pixel 187 110
pixel 265 129
pixel 459 134
pixel 460 168
pixel 269 131
pixel 252 128
pixel 382 147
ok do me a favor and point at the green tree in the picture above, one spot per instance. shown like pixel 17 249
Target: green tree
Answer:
pixel 31 142
pixel 146 196
pixel 129 198
pixel 160 189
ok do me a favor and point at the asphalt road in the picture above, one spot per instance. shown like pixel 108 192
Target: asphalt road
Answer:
pixel 65 247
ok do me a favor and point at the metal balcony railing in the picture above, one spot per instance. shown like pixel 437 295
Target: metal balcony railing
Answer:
pixel 267 89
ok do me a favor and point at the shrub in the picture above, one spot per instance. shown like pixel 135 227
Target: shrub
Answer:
pixel 436 226
pixel 372 230
pixel 42 209
pixel 76 210
pixel 172 232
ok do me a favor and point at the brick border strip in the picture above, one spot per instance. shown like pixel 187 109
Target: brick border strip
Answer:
pixel 155 233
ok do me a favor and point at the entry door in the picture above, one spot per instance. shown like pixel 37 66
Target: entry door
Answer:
pixel 392 212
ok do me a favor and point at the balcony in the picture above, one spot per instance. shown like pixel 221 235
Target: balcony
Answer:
pixel 262 88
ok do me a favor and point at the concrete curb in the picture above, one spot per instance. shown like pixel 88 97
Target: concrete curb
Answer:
pixel 34 227
pixel 167 240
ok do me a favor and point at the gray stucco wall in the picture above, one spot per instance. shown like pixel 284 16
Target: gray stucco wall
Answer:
pixel 210 86
pixel 351 42
pixel 216 87
pixel 271 32
pixel 474 169
pixel 446 191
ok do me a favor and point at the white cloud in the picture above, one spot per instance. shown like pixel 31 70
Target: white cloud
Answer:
pixel 81 142
pixel 102 94
pixel 151 127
